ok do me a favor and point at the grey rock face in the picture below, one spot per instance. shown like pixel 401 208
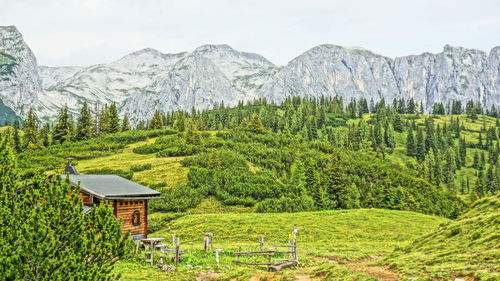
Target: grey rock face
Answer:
pixel 148 80
pixel 328 70
pixel 20 83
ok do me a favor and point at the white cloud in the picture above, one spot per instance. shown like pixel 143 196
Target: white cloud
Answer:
pixel 82 32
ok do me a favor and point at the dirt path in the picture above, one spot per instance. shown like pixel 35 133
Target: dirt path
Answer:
pixel 379 272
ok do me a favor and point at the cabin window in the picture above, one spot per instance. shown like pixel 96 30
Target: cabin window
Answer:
pixel 136 218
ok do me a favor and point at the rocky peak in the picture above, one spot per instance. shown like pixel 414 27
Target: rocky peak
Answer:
pixel 21 84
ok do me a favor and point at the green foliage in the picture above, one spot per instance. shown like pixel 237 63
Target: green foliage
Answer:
pixel 106 171
pixel 34 162
pixel 45 235
pixel 114 120
pixel 63 130
pixel 84 130
pixel 255 125
pixel 141 167
pixel 31 139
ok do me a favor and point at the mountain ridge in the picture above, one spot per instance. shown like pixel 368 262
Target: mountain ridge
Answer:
pixel 154 80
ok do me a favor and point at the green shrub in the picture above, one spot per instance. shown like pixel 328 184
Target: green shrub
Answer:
pixel 106 171
pixel 141 167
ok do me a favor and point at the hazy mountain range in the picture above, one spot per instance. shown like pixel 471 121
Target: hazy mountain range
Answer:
pixel 147 80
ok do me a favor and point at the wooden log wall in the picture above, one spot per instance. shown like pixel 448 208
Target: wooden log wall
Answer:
pixel 86 198
pixel 124 210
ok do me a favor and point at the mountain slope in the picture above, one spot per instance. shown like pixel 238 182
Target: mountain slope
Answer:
pixel 146 80
pixel 20 83
pixel 328 70
pixel 467 246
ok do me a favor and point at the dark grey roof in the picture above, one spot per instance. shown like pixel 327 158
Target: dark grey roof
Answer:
pixel 111 186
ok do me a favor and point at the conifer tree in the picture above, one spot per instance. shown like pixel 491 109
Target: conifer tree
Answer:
pixel 125 124
pixel 335 182
pixel 30 130
pixel 420 151
pixel 141 125
pixel 192 135
pixel 63 130
pixel 389 140
pixel 410 144
pixel 180 122
pixel 104 120
pixel 255 125
pixel 214 161
pixel 156 122
pixel 114 119
pixel 44 135
pixel 46 236
pixel 16 137
pixel 84 130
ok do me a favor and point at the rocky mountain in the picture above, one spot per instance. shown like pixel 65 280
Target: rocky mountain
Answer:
pixel 454 74
pixel 20 84
pixel 148 80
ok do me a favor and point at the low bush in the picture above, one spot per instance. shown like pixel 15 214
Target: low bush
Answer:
pixel 141 167
pixel 106 171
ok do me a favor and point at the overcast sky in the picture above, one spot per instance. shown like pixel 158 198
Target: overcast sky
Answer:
pixel 84 32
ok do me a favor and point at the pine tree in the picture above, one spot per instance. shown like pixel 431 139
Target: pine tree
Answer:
pixel 398 123
pixel 410 144
pixel 450 168
pixel 335 181
pixel 156 122
pixel 114 119
pixel 44 135
pixel 475 160
pixel 104 120
pixel 31 140
pixel 16 137
pixel 420 151
pixel 255 125
pixel 180 122
pixel 63 130
pixel 192 135
pixel 389 140
pixel 84 129
pixel 125 124
pixel 214 161
pixel 298 179
pixel 463 151
pixel 45 234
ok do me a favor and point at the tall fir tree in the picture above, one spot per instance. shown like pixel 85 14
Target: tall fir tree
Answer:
pixel 63 129
pixel 125 124
pixel 410 144
pixel 114 119
pixel 255 124
pixel 31 139
pixel 191 134
pixel 84 124
pixel 156 122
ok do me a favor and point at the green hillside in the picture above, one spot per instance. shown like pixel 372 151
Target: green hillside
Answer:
pixel 468 246
pixel 327 240
pixel 343 233
pixel 359 182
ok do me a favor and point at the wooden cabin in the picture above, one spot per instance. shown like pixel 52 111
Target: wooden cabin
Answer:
pixel 129 199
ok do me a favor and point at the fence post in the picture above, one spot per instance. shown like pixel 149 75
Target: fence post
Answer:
pixel 177 255
pixel 294 243
pixel 217 251
pixel 207 242
pixel 261 243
